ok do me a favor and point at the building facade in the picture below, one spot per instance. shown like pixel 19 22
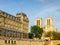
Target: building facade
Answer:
pixel 48 24
pixel 13 26
pixel 38 21
pixel 47 27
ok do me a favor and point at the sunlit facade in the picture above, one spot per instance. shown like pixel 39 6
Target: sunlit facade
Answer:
pixel 39 22
pixel 48 25
pixel 13 26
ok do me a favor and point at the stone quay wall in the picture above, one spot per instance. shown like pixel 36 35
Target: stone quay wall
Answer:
pixel 28 42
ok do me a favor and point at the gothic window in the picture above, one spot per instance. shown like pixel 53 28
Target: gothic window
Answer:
pixel 48 22
pixel 37 22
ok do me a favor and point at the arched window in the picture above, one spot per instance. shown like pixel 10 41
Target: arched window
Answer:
pixel 48 22
pixel 8 41
pixel 5 41
pixel 38 22
pixel 12 41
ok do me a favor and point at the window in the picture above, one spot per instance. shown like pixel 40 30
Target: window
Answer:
pixel 5 41
pixel 4 34
pixel 0 19
pixel 8 16
pixel 20 34
pixel 37 22
pixel 48 22
pixel 12 41
pixel 8 41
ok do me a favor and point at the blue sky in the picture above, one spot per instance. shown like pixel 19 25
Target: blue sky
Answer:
pixel 33 9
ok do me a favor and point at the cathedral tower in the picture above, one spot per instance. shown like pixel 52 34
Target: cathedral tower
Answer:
pixel 49 24
pixel 38 21
pixel 49 21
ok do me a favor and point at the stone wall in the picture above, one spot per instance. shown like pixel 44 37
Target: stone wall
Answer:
pixel 28 42
pixel 55 42
pixel 21 42
pixel 2 42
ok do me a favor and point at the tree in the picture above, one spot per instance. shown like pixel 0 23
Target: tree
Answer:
pixel 36 31
pixel 59 36
pixel 53 34
pixel 31 35
pixel 48 34
pixel 56 36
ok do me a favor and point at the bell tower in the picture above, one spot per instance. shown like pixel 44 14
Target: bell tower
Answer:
pixel 48 24
pixel 38 21
pixel 49 21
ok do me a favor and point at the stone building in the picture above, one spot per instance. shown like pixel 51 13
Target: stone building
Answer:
pixel 13 26
pixel 38 21
pixel 48 24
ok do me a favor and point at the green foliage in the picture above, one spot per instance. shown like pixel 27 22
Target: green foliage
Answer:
pixel 31 35
pixel 36 31
pixel 56 35
pixel 59 36
pixel 53 34
pixel 48 34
